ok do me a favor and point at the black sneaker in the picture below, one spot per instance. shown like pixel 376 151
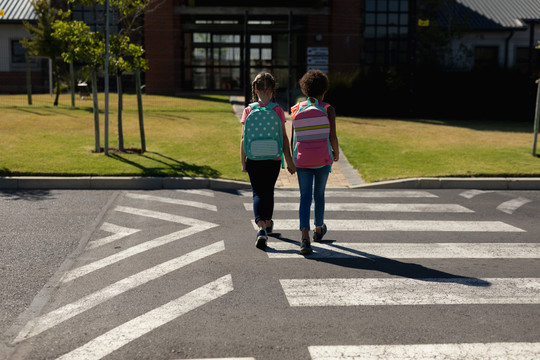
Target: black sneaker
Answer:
pixel 305 247
pixel 269 229
pixel 261 239
pixel 318 237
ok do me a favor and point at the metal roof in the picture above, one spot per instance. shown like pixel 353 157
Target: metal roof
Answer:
pixel 16 11
pixel 492 14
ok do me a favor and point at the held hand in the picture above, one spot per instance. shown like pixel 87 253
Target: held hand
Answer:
pixel 291 169
pixel 244 168
pixel 336 156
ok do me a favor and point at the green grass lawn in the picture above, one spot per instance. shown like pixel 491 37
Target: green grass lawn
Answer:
pixel 197 136
pixel 384 149
pixel 200 136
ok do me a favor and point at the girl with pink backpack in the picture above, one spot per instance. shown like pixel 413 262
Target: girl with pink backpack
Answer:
pixel 315 146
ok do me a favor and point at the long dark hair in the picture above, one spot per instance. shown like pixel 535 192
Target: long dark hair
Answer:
pixel 263 81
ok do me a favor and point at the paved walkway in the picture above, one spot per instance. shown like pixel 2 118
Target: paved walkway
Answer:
pixel 343 174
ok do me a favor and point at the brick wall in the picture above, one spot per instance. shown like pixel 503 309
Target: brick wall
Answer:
pixel 162 45
pixel 345 35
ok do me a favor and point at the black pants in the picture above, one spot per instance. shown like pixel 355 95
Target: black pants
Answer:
pixel 263 175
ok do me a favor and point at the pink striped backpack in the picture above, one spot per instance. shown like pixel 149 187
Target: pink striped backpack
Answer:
pixel 311 127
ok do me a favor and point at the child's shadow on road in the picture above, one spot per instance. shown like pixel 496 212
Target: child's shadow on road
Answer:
pixel 372 262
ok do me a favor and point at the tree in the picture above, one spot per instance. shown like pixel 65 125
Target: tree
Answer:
pixel 124 55
pixel 41 42
pixel 81 44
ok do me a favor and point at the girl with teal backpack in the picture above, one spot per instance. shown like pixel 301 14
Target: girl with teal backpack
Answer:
pixel 315 146
pixel 262 150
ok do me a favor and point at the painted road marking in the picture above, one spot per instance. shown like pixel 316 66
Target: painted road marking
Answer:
pixel 116 338
pixel 353 194
pixel 48 321
pixel 167 200
pixel 119 232
pixel 469 194
pixel 403 225
pixel 208 193
pixel 280 250
pixel 433 291
pixel 161 216
pixel 196 226
pixel 512 205
pixel 490 351
pixel 379 207
pixel 243 358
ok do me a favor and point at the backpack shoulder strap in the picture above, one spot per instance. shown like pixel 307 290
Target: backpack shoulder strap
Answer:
pixel 254 105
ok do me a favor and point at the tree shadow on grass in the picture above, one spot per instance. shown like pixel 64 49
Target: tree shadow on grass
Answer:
pixel 372 262
pixel 167 166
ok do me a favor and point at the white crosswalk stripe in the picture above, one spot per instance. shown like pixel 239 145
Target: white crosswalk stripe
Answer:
pixel 403 225
pixel 289 250
pixel 431 291
pixel 371 207
pixel 477 351
pixel 358 194
pixel 512 205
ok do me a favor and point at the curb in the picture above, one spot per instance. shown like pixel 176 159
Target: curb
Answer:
pixel 157 183
pixel 506 183
pixel 119 183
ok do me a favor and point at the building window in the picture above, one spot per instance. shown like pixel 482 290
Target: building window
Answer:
pixel 18 53
pixel 385 32
pixel 486 57
pixel 523 61
pixel 215 60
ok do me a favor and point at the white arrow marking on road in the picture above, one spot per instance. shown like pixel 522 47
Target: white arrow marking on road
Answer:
pixel 512 205
pixel 47 321
pixel 354 194
pixel 437 291
pixel 403 225
pixel 195 227
pixel 490 351
pixel 119 232
pixel 469 194
pixel 116 338
pixel 166 200
pixel 280 250
pixel 379 207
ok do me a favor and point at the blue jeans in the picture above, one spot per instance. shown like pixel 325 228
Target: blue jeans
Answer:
pixel 263 175
pixel 307 178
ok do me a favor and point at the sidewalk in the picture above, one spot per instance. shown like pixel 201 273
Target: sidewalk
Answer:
pixel 343 174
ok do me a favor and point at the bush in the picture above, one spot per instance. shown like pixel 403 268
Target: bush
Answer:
pixel 498 95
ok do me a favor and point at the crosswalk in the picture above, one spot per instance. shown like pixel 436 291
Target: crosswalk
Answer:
pixel 391 238
pixel 402 290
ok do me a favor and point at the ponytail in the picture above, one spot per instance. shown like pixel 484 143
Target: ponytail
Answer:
pixel 263 81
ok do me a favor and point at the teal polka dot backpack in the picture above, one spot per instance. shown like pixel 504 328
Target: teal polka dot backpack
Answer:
pixel 263 136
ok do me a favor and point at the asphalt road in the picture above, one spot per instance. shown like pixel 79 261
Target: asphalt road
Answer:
pixel 174 274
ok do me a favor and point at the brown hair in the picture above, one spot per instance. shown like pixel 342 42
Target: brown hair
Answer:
pixel 263 81
pixel 314 83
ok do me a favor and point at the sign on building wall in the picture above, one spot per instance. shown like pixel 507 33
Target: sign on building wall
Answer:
pixel 317 58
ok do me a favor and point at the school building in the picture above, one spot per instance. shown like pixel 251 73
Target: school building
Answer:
pixel 216 45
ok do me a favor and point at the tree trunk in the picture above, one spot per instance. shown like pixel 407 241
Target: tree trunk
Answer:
pixel 56 76
pixel 120 130
pixel 96 111
pixel 140 110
